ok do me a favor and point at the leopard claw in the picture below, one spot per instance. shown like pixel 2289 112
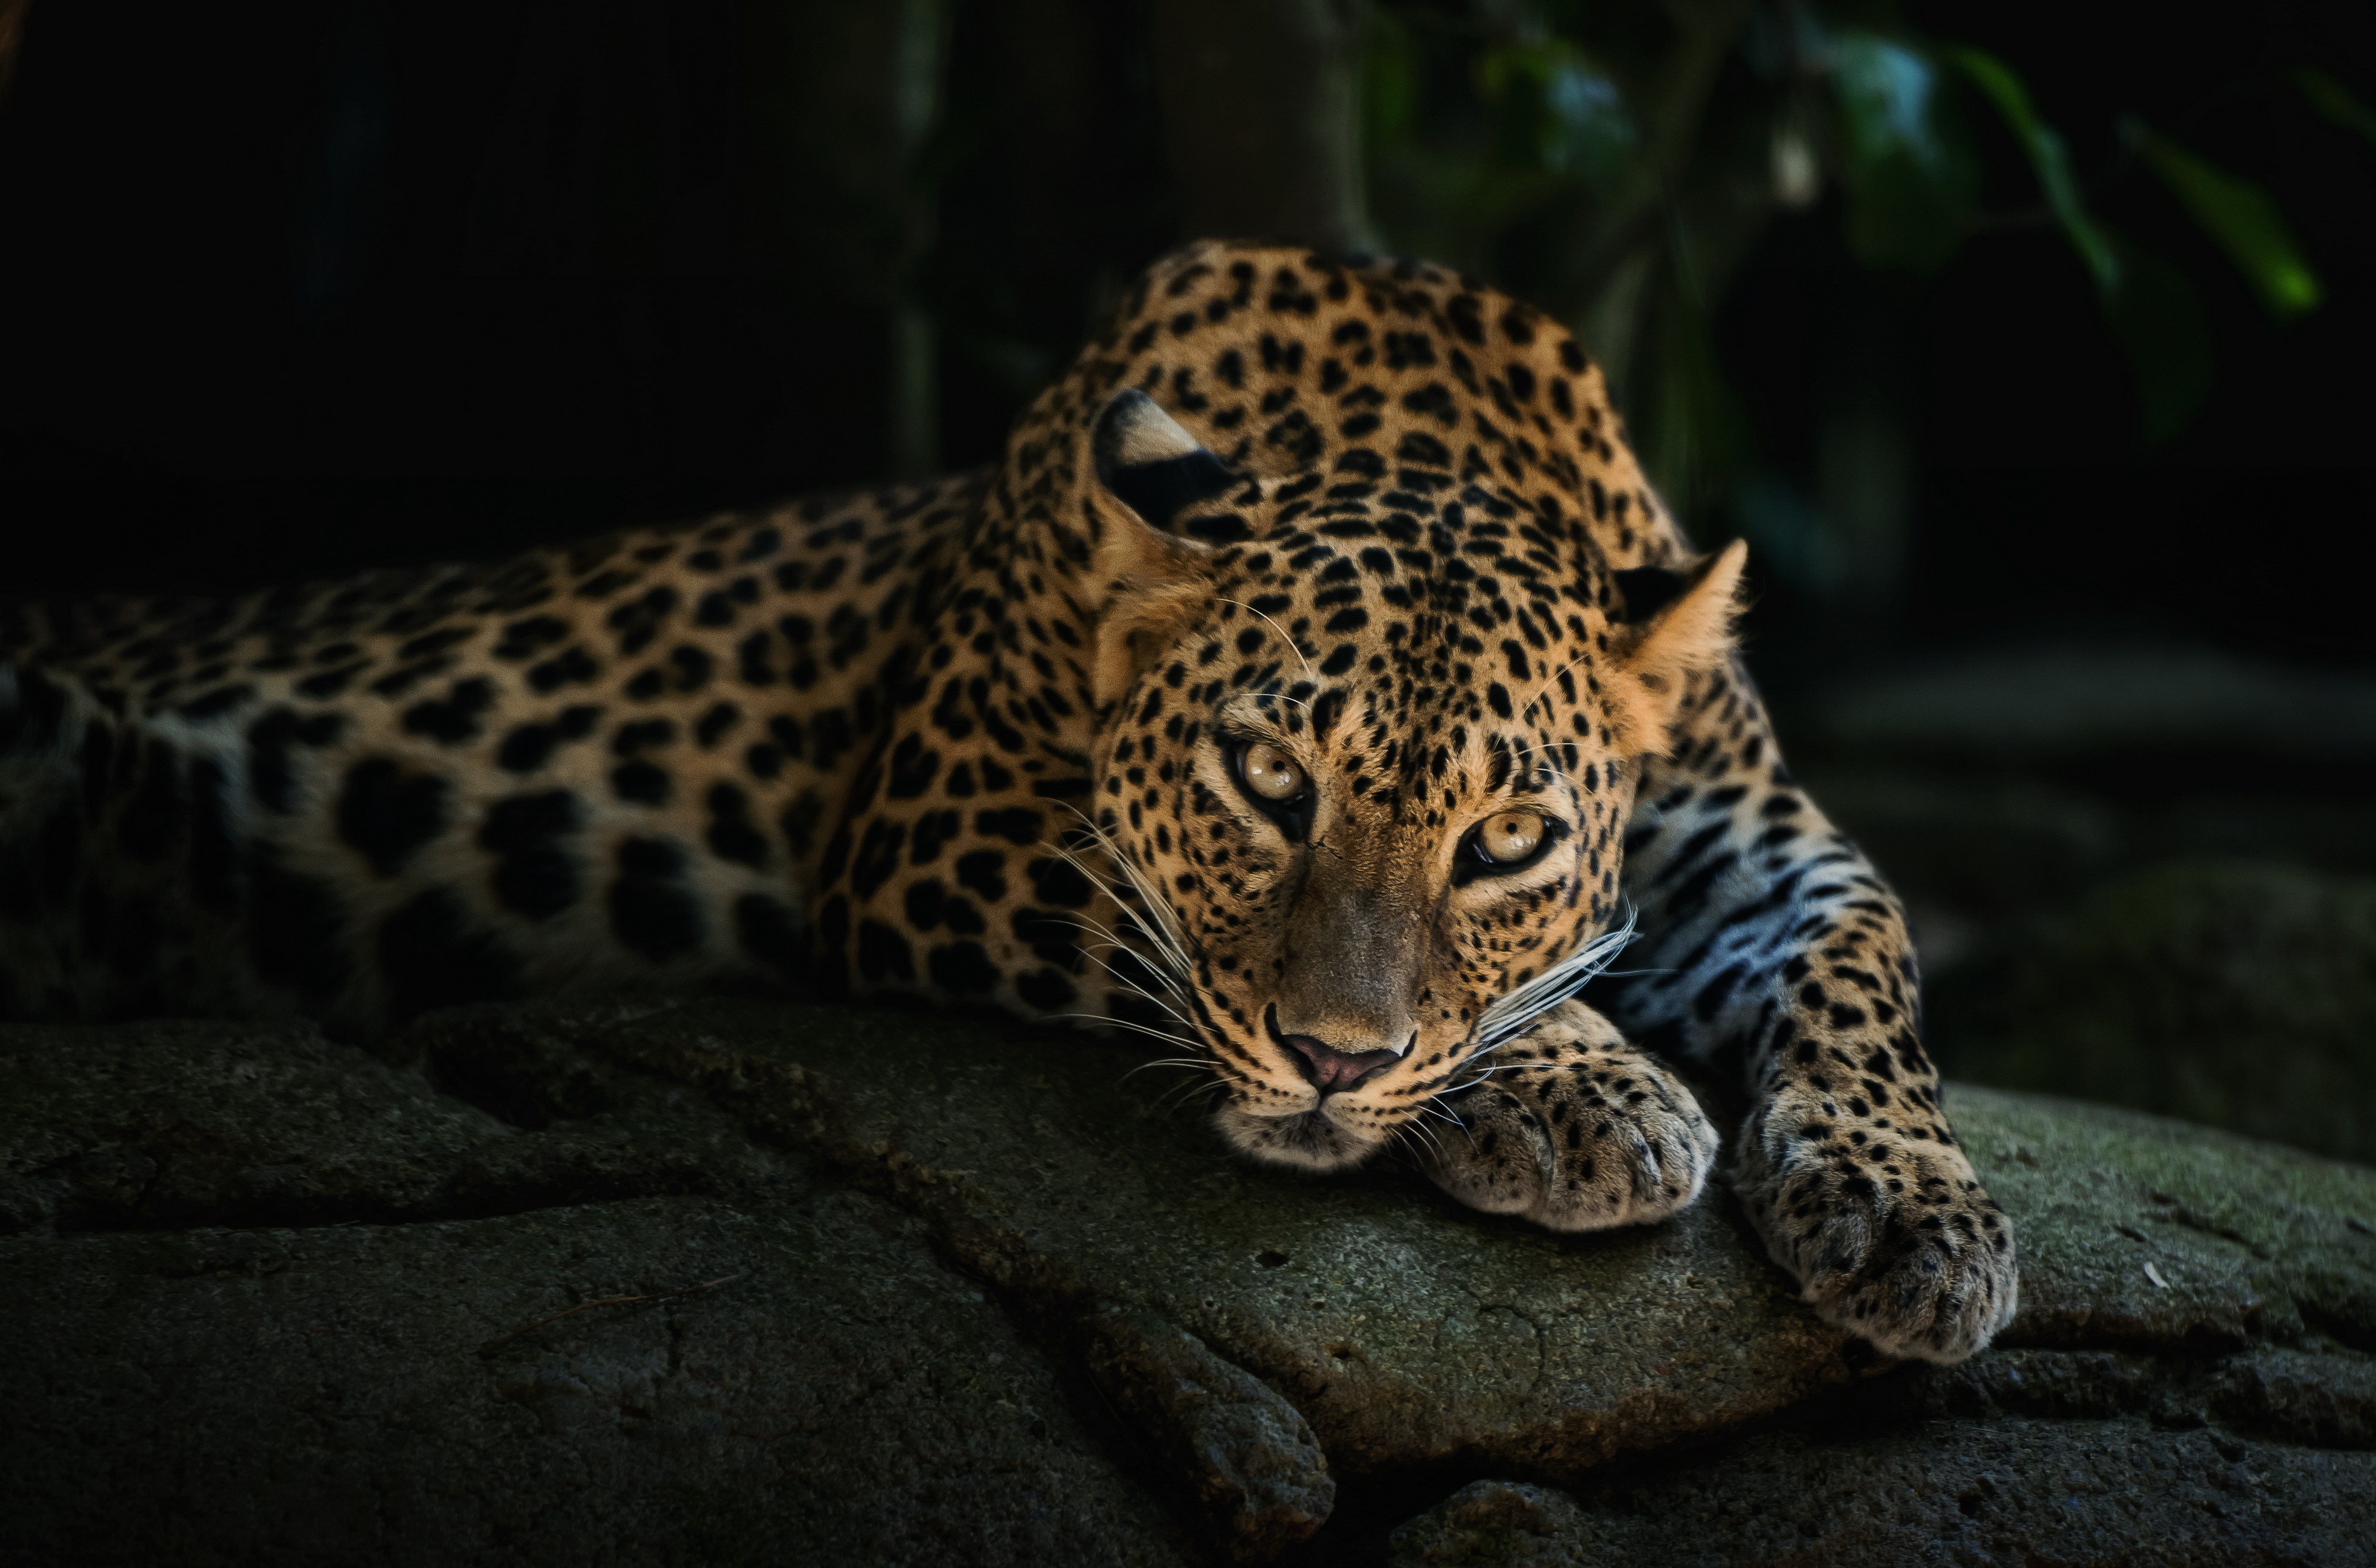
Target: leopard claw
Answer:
pixel 1575 1136
pixel 1900 1245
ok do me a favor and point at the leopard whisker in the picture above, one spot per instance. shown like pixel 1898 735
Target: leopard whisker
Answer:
pixel 1293 647
pixel 1186 1092
pixel 1132 985
pixel 1416 1129
pixel 1162 929
pixel 1512 1015
pixel 1170 982
pixel 1170 961
pixel 1548 769
pixel 1543 690
pixel 1189 1039
pixel 1103 1021
pixel 1162 1061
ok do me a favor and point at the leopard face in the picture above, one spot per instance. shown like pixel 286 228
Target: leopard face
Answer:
pixel 1359 793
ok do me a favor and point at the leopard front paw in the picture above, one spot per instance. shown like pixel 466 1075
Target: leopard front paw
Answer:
pixel 1891 1238
pixel 1574 1133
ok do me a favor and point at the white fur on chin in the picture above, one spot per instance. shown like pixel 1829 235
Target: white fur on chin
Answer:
pixel 1309 1140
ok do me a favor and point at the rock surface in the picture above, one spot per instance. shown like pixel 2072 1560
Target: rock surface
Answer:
pixel 740 1282
pixel 2234 992
pixel 2010 1491
pixel 1233 1440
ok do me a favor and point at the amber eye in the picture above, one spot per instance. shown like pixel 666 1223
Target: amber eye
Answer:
pixel 1270 773
pixel 1509 837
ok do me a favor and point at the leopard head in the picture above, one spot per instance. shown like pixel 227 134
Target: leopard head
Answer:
pixel 1367 743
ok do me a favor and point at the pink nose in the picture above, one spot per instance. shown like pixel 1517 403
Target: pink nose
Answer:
pixel 1330 1069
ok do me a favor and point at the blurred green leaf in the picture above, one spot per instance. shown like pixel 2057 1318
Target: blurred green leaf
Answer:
pixel 2160 323
pixel 1697 436
pixel 1886 91
pixel 1908 185
pixel 1560 113
pixel 1389 79
pixel 2240 215
pixel 2047 159
pixel 2333 100
pixel 1898 216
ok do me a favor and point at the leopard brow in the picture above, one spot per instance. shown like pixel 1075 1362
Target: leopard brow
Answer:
pixel 1543 689
pixel 1258 698
pixel 1244 712
pixel 1551 759
pixel 1292 646
pixel 1549 770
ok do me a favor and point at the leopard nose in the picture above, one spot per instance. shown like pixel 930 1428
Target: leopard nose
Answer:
pixel 1329 1069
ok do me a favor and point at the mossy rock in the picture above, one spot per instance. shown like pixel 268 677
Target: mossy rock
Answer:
pixel 730 1282
pixel 2237 993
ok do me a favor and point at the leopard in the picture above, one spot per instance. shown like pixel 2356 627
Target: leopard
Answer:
pixel 1316 684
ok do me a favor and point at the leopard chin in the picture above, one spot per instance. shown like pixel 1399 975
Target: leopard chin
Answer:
pixel 1310 1140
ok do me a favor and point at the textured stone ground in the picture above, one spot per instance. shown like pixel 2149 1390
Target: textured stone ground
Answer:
pixel 922 1290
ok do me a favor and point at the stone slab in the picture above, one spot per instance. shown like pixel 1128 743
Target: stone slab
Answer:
pixel 930 1289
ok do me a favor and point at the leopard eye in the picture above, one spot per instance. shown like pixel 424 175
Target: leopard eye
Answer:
pixel 1270 773
pixel 1509 837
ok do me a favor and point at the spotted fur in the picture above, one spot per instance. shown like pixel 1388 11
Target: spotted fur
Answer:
pixel 982 741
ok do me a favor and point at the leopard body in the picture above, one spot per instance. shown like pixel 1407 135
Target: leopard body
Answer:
pixel 987 739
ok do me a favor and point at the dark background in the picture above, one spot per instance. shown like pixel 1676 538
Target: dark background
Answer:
pixel 294 289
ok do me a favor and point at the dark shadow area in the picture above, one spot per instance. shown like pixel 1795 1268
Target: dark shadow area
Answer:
pixel 305 289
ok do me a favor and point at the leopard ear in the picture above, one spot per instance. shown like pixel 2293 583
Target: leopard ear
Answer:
pixel 1150 464
pixel 1150 583
pixel 1688 628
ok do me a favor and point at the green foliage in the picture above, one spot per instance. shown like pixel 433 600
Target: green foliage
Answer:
pixel 2239 215
pixel 2159 318
pixel 2048 159
pixel 1908 170
pixel 1558 113
pixel 1389 81
pixel 1698 435
pixel 2150 305
pixel 1594 157
pixel 2334 100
